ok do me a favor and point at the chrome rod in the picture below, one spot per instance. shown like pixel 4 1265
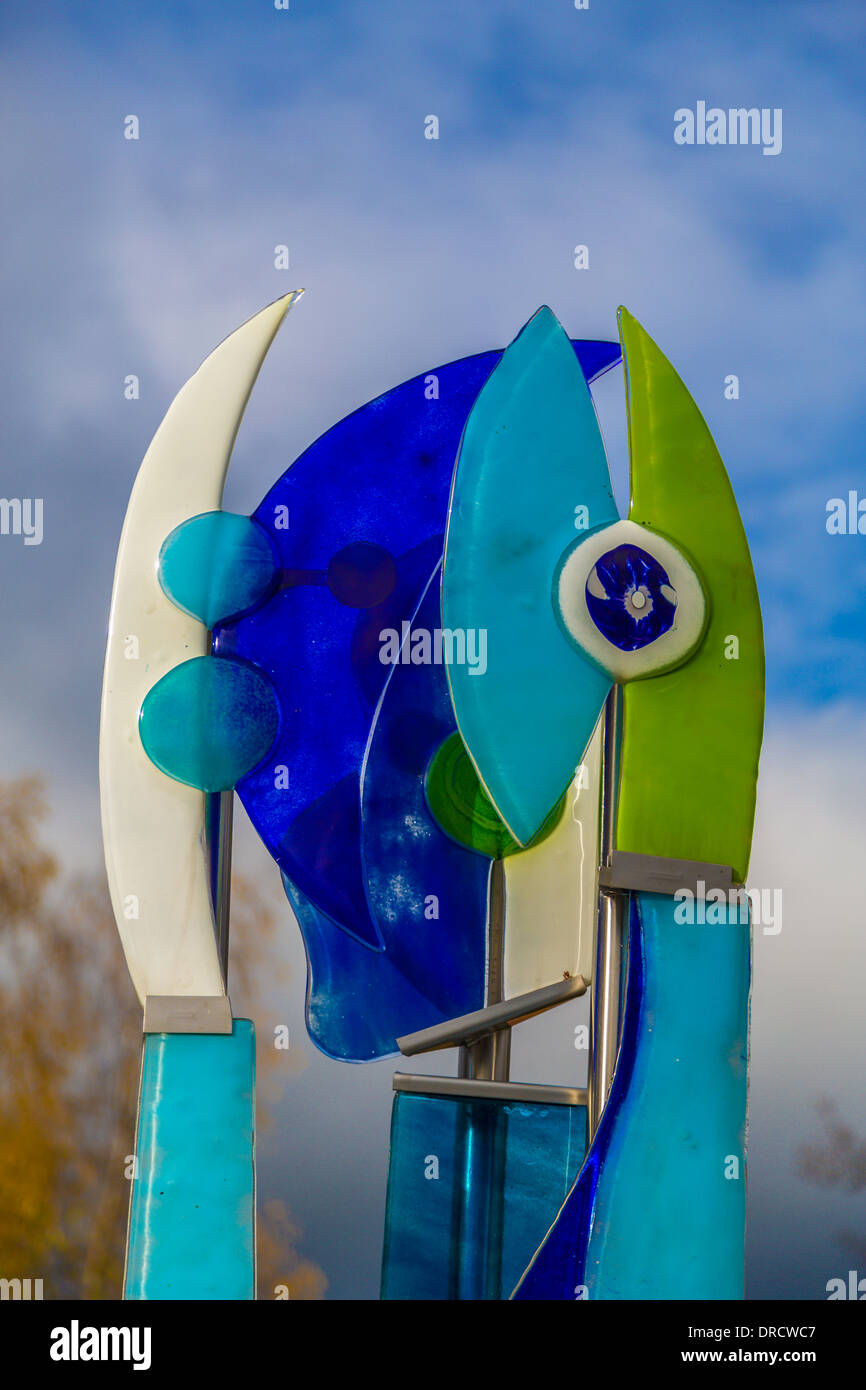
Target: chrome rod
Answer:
pixel 605 1012
pixel 609 773
pixel 469 1028
pixel 606 1004
pixel 220 809
pixel 489 1058
pixel 525 1092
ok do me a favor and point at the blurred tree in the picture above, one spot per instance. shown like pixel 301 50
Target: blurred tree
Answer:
pixel 837 1159
pixel 70 1043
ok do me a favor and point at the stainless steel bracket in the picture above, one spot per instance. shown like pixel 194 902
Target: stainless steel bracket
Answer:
pixel 470 1028
pixel 187 1013
pixel 464 1088
pixel 649 873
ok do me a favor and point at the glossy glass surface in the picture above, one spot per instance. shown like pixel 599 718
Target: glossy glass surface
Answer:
pixel 531 468
pixel 155 829
pixel 460 805
pixel 192 1222
pixel 652 587
pixel 658 1211
pixel 359 520
pixel 692 737
pixel 551 891
pixel 360 1001
pixel 472 1186
pixel 427 894
pixel 217 564
pixel 208 721
pixel 630 598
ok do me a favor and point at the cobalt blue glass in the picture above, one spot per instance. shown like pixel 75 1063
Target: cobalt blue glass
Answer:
pixel 630 598
pixel 357 523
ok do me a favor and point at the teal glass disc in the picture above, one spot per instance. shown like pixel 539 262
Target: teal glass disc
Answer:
pixel 209 721
pixel 217 565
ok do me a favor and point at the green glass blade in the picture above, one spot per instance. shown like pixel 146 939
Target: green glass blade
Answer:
pixel 692 737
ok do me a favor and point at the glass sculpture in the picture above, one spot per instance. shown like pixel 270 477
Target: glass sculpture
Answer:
pixel 503 748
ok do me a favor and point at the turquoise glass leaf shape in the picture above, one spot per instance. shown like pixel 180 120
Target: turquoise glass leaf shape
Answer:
pixel 530 470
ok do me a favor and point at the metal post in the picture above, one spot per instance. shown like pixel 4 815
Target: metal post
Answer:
pixel 220 810
pixel 489 1059
pixel 605 1015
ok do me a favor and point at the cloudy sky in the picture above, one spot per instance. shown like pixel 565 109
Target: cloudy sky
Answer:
pixel 261 127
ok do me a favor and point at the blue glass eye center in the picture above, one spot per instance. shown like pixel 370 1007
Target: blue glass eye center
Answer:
pixel 630 598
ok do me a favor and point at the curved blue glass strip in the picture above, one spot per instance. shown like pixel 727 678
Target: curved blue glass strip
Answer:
pixel 658 1211
pixel 427 893
pixel 381 476
pixel 530 457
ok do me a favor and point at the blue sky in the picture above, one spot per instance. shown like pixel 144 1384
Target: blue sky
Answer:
pixel 556 128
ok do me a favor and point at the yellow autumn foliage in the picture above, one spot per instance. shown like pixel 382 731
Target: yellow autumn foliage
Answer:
pixel 70 1042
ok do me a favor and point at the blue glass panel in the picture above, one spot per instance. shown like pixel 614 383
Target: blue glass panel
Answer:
pixel 217 564
pixel 530 458
pixel 657 1212
pixel 366 501
pixel 427 893
pixel 630 597
pixel 192 1222
pixel 360 1001
pixel 323 657
pixel 472 1186
pixel 207 722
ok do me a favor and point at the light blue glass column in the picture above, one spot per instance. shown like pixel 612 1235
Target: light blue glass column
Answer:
pixel 192 1222
pixel 659 1209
